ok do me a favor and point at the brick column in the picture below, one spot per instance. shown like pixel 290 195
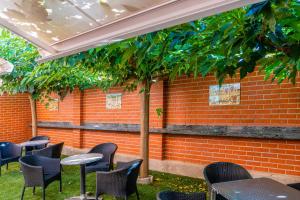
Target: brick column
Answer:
pixel 77 118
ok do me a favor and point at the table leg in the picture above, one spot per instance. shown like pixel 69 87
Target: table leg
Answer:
pixel 213 194
pixel 82 182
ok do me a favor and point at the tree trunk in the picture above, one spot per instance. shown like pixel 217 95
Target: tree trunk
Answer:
pixel 144 144
pixel 33 116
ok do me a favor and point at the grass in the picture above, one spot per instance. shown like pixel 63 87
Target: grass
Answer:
pixel 11 183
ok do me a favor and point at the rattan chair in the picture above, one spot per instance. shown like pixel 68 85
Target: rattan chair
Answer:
pixel 40 171
pixel 295 186
pixel 28 150
pixel 171 195
pixel 53 151
pixel 9 152
pixel 106 163
pixel 121 182
pixel 223 172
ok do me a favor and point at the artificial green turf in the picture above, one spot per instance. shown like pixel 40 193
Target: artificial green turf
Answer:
pixel 11 183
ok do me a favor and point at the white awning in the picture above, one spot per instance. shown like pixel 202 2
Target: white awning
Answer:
pixel 65 27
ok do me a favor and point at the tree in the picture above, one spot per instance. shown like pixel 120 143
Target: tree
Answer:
pixel 39 81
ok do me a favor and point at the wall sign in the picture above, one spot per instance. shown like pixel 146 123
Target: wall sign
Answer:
pixel 52 104
pixel 227 94
pixel 114 101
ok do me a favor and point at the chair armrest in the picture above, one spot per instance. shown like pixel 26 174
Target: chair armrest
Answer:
pixel 17 150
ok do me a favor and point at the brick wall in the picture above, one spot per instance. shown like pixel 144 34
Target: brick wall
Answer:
pixel 15 118
pixel 185 102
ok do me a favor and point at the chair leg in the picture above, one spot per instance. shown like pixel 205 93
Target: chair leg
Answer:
pixel 137 195
pixel 6 166
pixel 60 185
pixel 33 190
pixel 23 191
pixel 44 193
pixel 0 170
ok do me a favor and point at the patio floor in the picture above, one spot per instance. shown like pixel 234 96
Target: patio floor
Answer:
pixel 12 182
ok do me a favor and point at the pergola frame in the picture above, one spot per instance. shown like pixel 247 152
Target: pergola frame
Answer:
pixel 162 16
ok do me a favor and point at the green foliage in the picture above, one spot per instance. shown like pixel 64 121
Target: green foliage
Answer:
pixel 265 35
pixel 39 80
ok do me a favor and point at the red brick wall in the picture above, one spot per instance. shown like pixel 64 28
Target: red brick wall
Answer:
pixel 185 102
pixel 15 118
pixel 262 103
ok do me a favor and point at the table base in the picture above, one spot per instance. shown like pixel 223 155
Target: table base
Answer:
pixel 83 198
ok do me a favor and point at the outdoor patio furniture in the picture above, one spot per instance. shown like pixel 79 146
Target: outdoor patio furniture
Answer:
pixel 9 152
pixel 82 160
pixel 254 189
pixel 108 151
pixel 120 182
pixel 53 151
pixel 295 186
pixel 223 172
pixel 29 148
pixel 171 195
pixel 39 171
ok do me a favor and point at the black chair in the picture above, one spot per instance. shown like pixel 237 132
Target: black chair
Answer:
pixel 120 182
pixel 53 151
pixel 28 150
pixel 295 186
pixel 40 171
pixel 9 152
pixel 223 172
pixel 106 163
pixel 171 195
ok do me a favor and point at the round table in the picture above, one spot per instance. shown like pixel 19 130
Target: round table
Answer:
pixel 82 160
pixel 34 143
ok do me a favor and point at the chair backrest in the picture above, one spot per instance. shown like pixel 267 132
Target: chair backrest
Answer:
pixel 9 149
pixel 53 151
pixel 108 150
pixel 40 137
pixel 225 171
pixel 132 174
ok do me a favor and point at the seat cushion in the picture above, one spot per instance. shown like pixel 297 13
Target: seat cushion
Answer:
pixel 98 166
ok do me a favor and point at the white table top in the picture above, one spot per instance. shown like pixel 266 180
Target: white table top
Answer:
pixel 34 143
pixel 82 159
pixel 255 189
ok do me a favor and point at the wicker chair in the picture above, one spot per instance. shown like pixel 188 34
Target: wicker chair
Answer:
pixel 295 186
pixel 170 195
pixel 28 150
pixel 53 151
pixel 9 152
pixel 106 163
pixel 223 172
pixel 120 182
pixel 40 171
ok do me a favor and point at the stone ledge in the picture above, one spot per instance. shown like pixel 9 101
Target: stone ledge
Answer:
pixel 290 133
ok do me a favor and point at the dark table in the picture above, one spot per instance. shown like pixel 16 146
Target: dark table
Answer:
pixel 255 189
pixel 34 143
pixel 82 160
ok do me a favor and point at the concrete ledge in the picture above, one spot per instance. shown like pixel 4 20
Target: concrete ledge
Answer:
pixel 185 169
pixel 289 133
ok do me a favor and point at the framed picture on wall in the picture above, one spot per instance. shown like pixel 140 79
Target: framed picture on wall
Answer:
pixel 227 94
pixel 114 101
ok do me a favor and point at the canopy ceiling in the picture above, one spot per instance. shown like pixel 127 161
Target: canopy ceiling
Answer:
pixel 64 27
